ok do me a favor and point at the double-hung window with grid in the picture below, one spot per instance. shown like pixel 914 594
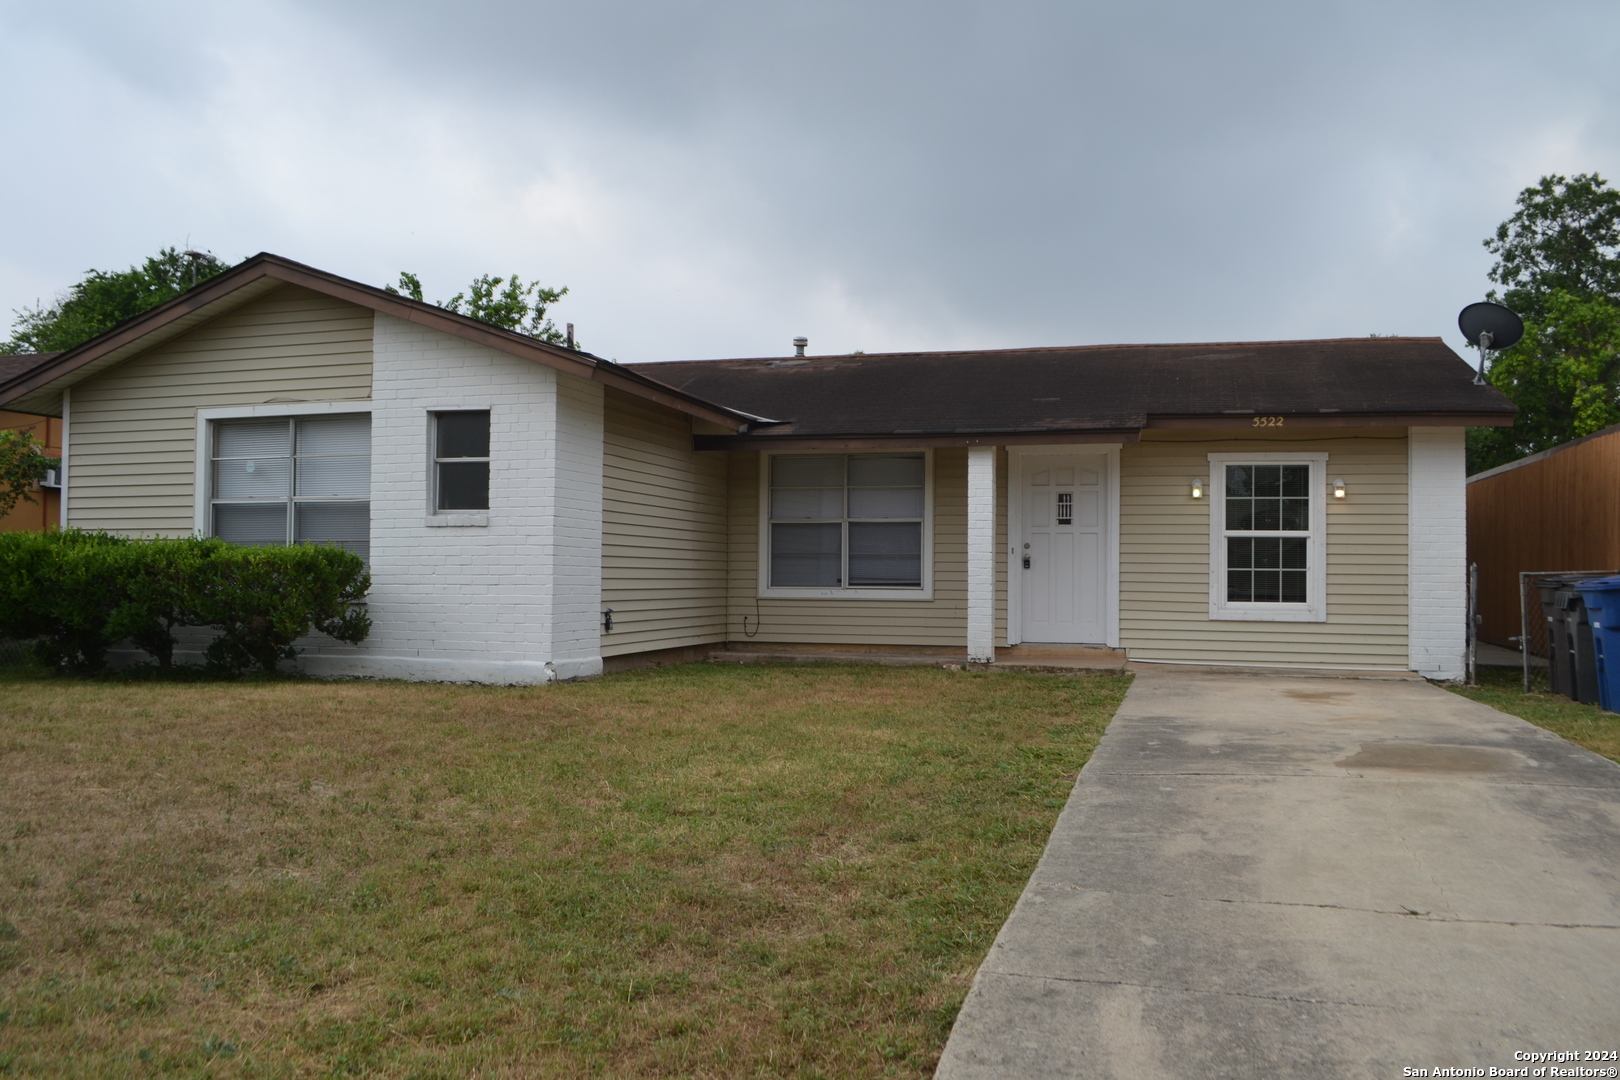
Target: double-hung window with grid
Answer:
pixel 1266 538
pixel 847 521
pixel 293 480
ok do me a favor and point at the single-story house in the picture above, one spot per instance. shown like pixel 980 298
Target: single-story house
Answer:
pixel 1556 510
pixel 532 512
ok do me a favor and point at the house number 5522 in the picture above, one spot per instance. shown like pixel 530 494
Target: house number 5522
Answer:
pixel 1266 421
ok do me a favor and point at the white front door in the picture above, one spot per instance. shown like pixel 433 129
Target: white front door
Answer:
pixel 1060 556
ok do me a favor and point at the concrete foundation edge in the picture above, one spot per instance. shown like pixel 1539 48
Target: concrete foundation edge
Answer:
pixel 429 669
pixel 407 668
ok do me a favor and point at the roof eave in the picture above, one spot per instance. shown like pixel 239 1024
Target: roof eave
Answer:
pixel 1256 419
pixel 913 440
pixel 861 440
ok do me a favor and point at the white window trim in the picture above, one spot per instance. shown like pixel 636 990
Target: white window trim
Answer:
pixel 202 482
pixel 1015 528
pixel 1315 552
pixel 901 593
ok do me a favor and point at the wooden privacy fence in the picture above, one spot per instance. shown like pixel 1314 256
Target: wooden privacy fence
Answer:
pixel 1553 512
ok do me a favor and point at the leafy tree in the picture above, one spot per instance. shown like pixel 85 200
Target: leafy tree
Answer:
pixel 105 298
pixel 1558 263
pixel 1565 236
pixel 22 465
pixel 504 302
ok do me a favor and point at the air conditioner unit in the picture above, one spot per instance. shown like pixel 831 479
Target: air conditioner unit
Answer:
pixel 53 479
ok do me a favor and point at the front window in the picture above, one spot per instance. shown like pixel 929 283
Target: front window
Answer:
pixel 1266 543
pixel 1268 524
pixel 847 521
pixel 294 480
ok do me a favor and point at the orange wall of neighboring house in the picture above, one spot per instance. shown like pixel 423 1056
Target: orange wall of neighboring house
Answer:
pixel 46 511
pixel 1559 511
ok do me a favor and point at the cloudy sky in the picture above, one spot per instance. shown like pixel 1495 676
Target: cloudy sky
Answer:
pixel 713 178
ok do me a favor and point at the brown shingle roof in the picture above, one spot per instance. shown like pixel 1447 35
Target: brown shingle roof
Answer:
pixel 1097 389
pixel 14 365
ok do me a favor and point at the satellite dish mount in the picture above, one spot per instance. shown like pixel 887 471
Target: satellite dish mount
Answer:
pixel 1489 328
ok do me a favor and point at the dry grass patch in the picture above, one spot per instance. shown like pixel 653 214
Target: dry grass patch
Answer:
pixel 1586 725
pixel 698 871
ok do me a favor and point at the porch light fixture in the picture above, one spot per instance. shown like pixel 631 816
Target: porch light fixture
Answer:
pixel 1338 489
pixel 1198 489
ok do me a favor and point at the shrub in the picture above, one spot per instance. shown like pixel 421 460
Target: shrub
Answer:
pixel 79 593
pixel 61 589
pixel 164 587
pixel 263 599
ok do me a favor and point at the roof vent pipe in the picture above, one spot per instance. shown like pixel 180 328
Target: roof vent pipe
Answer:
pixel 799 344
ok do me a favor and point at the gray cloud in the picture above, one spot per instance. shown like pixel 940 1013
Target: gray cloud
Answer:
pixel 713 178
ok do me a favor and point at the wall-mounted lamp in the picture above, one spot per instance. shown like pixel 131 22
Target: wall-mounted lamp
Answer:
pixel 1198 489
pixel 1338 489
pixel 607 619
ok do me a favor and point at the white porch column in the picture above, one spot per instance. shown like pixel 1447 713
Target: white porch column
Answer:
pixel 1437 551
pixel 981 555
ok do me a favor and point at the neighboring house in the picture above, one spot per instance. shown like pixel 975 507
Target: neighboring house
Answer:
pixel 44 511
pixel 1281 503
pixel 1556 510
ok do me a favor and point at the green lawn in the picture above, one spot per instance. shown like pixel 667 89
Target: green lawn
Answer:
pixel 1503 688
pixel 696 871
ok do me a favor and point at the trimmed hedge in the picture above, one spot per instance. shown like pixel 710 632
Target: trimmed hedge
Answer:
pixel 77 594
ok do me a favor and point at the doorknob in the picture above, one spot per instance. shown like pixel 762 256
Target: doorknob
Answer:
pixel 1026 562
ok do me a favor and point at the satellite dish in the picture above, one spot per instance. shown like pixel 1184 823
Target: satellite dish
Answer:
pixel 1504 327
pixel 1489 327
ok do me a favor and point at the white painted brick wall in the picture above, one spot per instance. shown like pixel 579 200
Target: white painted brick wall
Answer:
pixel 513 601
pixel 1437 560
pixel 981 556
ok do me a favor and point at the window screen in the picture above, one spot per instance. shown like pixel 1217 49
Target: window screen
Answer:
pixel 847 520
pixel 461 460
pixel 1264 503
pixel 294 480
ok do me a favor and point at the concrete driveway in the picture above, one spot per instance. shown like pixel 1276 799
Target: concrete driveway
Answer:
pixel 1264 876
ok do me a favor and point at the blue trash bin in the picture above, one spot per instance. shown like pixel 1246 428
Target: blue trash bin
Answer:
pixel 1602 597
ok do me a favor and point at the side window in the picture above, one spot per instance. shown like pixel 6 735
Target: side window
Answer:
pixel 460 461
pixel 293 480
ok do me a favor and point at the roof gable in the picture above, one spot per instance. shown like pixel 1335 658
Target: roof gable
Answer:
pixel 38 388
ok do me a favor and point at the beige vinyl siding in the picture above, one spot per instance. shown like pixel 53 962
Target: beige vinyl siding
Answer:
pixel 663 530
pixel 1164 557
pixel 940 622
pixel 132 429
